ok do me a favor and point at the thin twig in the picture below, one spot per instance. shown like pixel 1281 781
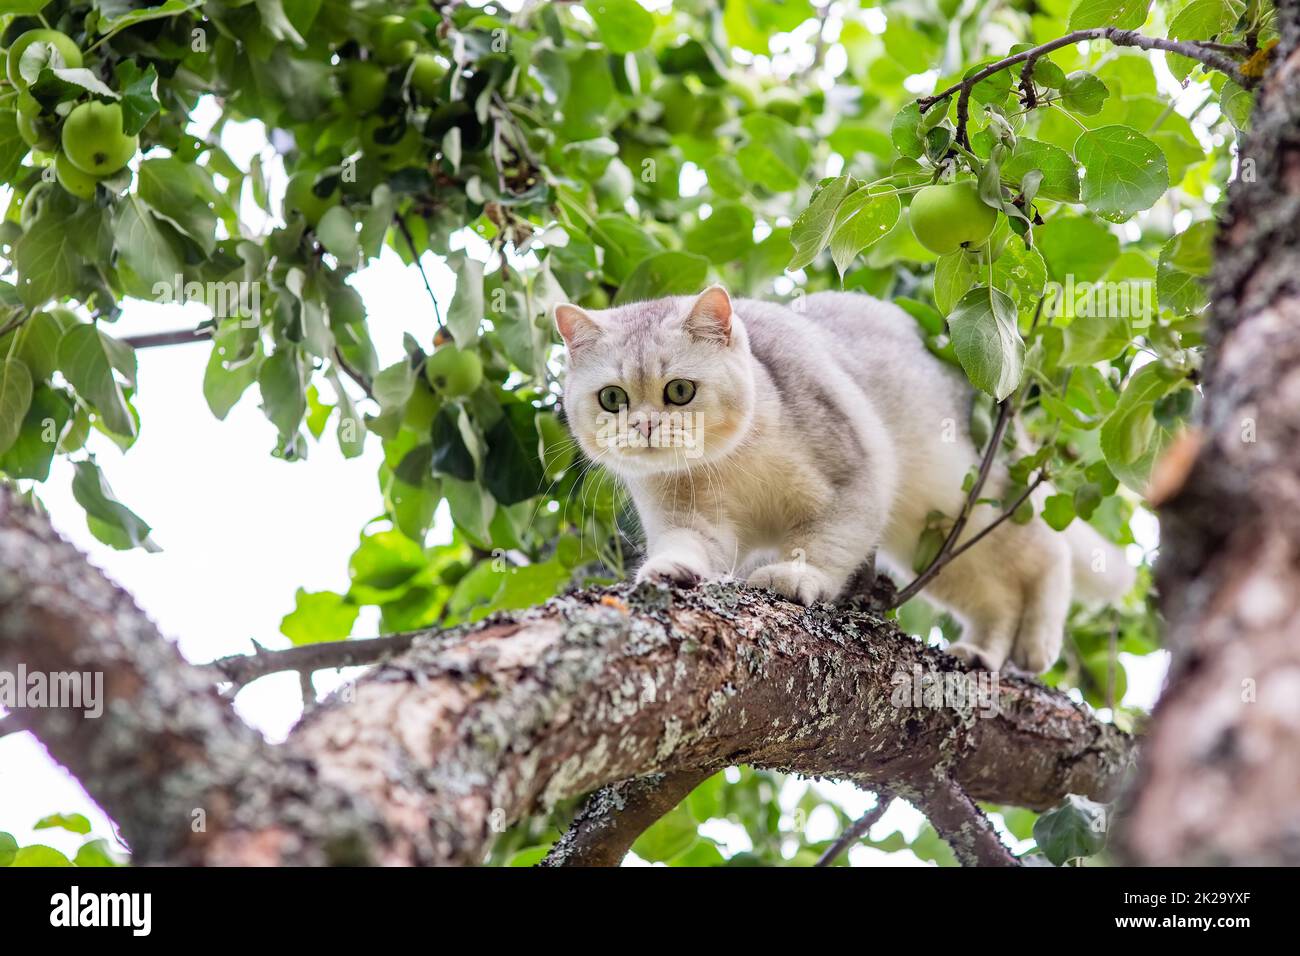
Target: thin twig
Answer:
pixel 858 829
pixel 1188 48
pixel 410 244
pixel 946 554
pixel 240 669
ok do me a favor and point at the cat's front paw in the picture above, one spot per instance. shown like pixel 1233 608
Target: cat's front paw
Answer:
pixel 797 580
pixel 670 568
pixel 978 657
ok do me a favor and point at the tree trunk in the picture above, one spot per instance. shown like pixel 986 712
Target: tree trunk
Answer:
pixel 428 755
pixel 1221 767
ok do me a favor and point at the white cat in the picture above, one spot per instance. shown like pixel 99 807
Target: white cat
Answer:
pixel 787 446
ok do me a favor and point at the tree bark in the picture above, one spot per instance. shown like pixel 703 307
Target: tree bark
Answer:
pixel 428 755
pixel 1221 767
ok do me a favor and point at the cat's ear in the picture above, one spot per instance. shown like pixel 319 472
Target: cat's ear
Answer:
pixel 710 317
pixel 576 327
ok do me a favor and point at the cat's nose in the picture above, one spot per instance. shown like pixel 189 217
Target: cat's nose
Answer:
pixel 645 426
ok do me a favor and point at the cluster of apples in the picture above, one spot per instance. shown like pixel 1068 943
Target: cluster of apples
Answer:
pixel 89 142
pixel 387 139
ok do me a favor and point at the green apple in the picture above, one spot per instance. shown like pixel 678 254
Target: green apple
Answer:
pixel 421 409
pixel 364 85
pixel 93 139
pixel 61 42
pixel 38 130
pixel 33 202
pixel 303 194
pixel 390 142
pixel 426 75
pixel 82 185
pixel 946 217
pixel 394 39
pixel 454 372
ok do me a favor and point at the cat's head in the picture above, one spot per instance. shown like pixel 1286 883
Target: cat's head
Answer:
pixel 657 387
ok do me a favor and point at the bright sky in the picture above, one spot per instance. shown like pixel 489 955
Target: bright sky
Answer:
pixel 241 530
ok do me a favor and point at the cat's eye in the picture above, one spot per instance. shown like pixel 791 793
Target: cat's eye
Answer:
pixel 679 391
pixel 612 398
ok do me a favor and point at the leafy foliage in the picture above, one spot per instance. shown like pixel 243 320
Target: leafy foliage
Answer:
pixel 602 153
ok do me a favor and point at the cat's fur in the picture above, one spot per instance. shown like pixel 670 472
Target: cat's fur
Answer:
pixel 828 432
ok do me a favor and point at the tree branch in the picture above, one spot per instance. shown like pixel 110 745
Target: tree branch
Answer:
pixel 427 754
pixel 962 824
pixel 859 828
pixel 1130 38
pixel 614 816
pixel 415 256
pixel 242 669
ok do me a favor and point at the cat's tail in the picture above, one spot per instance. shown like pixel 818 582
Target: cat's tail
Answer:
pixel 1101 574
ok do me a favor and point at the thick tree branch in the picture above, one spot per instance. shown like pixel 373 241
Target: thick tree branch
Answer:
pixel 430 753
pixel 614 816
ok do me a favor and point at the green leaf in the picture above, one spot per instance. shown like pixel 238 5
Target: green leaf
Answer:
pixel 451 454
pixel 466 310
pixel 72 822
pixel 179 193
pixel 954 274
pixel 1131 438
pixel 383 566
pixel 85 358
pixel 139 95
pixel 46 256
pixel 903 130
pixel 227 375
pixel 511 469
pixel 1124 14
pixel 284 398
pixel 145 246
pixel 32 452
pixel 1199 20
pixel 110 521
pixel 625 26
pixel 1074 245
pixel 1084 93
pixel 986 337
pixel 172 8
pixel 12 146
pixel 1058 511
pixel 337 231
pixel 39 855
pixel 15 400
pixel 665 273
pixel 1060 174
pixel 94 853
pixel 1077 828
pixel 1184 264
pixel 726 235
pixel 861 220
pixel 773 156
pixel 1096 338
pixel 670 835
pixel 8 848
pixel 319 616
pixel 811 232
pixel 1125 172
